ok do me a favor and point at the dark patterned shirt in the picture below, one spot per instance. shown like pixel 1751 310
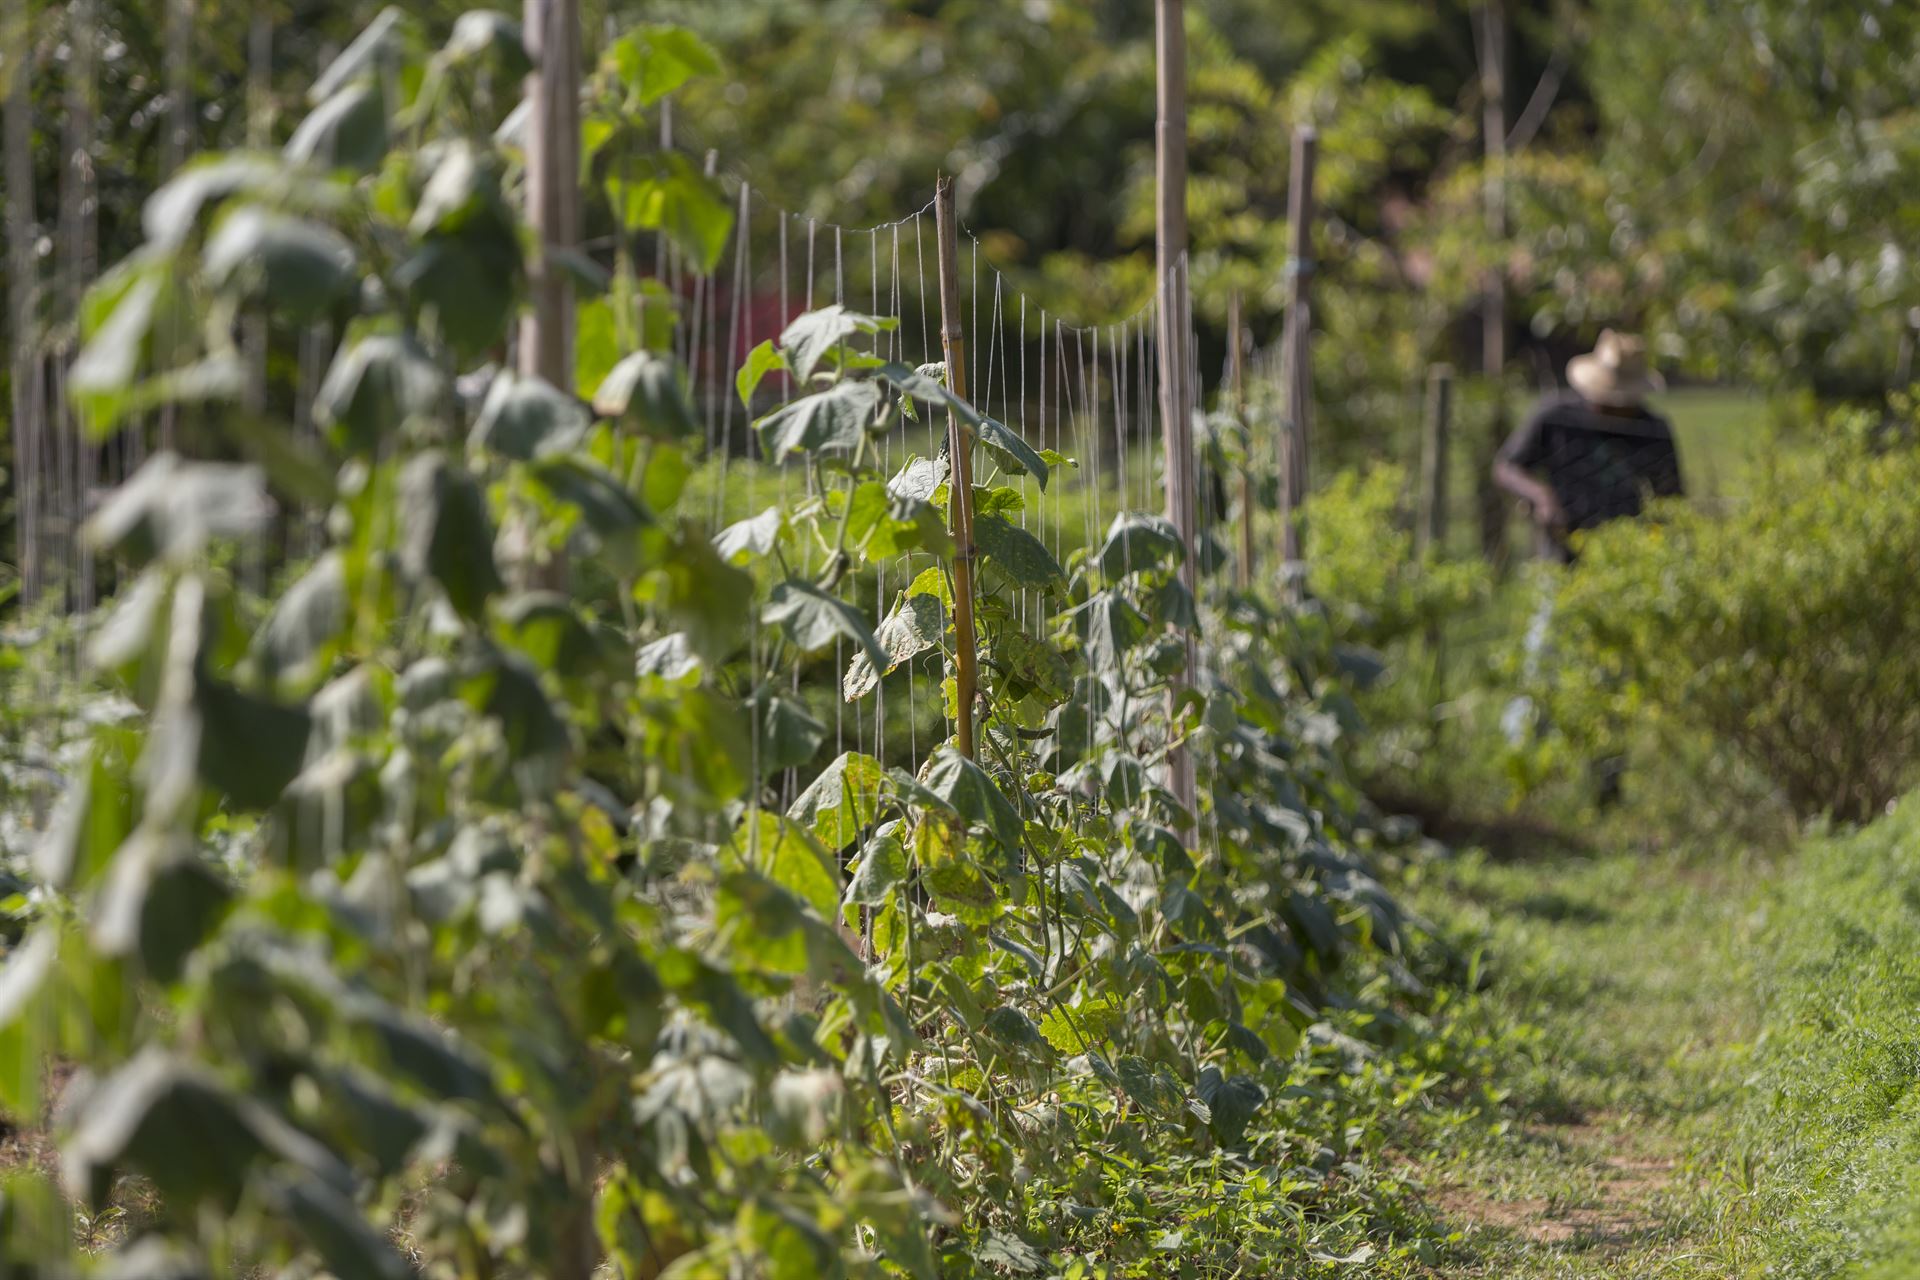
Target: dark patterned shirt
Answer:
pixel 1600 466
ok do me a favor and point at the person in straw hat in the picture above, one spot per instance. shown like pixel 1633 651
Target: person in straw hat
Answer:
pixel 1583 457
pixel 1596 452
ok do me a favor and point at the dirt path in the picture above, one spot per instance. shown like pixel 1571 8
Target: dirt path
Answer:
pixel 1617 1214
pixel 1619 980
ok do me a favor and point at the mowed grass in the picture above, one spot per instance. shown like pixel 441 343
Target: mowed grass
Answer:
pixel 1719 1080
pixel 1723 434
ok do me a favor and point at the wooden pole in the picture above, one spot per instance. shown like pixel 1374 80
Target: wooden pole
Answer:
pixel 1493 316
pixel 553 185
pixel 1299 356
pixel 953 348
pixel 1176 404
pixel 1237 381
pixel 177 146
pixel 1433 460
pixel 20 278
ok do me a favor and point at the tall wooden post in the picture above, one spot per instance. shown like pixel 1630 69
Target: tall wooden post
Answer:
pixel 1176 404
pixel 1492 33
pixel 21 342
pixel 1237 384
pixel 176 147
pixel 1298 348
pixel 553 184
pixel 1432 532
pixel 953 347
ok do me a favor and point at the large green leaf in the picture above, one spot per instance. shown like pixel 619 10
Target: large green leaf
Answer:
pixel 249 748
pixel 886 524
pixel 297 268
pixel 1232 1102
pixel 444 533
pixel 974 795
pixel 140 322
pixel 747 540
pixel 462 195
pixel 668 193
pixel 296 642
pixel 545 627
pixel 23 987
pixel 347 131
pixel 1022 557
pixel 787 853
pixel 174 1123
pixel 670 658
pixel 814 620
pixel 789 735
pixel 94 817
pixel 605 503
pixel 999 440
pixel 652 61
pixel 646 390
pixel 508 689
pixel 1136 541
pixel 380 46
pixel 921 478
pixel 159 901
pixel 489 38
pixel 830 421
pixel 843 801
pixel 172 213
pixel 882 867
pixel 917 624
pixel 761 361
pixel 427 1057
pixel 374 386
pixel 1010 451
pixel 527 417
pixel 812 336
pixel 467 285
pixel 1109 626
pixel 171 510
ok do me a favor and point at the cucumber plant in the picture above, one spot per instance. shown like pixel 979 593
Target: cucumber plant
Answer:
pixel 423 919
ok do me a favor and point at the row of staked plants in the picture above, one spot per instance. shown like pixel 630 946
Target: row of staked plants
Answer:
pixel 434 914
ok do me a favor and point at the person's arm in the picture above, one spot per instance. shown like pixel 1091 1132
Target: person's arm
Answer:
pixel 1537 495
pixel 1512 471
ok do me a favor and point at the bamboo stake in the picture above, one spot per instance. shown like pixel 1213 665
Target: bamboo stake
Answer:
pixel 1492 32
pixel 1433 460
pixel 953 349
pixel 20 275
pixel 1237 380
pixel 177 143
pixel 1298 356
pixel 1170 245
pixel 553 185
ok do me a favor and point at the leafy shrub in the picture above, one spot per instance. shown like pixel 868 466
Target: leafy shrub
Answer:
pixel 1360 555
pixel 1788 631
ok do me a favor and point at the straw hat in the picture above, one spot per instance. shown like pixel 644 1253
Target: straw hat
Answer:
pixel 1616 373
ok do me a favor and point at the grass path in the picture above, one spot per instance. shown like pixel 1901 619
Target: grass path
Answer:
pixel 1631 976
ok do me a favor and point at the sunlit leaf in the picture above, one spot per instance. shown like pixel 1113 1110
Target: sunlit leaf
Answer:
pixel 347 131
pixel 445 535
pixel 645 390
pixel 298 268
pixel 814 620
pixel 830 421
pixel 808 340
pixel 654 60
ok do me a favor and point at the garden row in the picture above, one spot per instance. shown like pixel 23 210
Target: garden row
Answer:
pixel 435 915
